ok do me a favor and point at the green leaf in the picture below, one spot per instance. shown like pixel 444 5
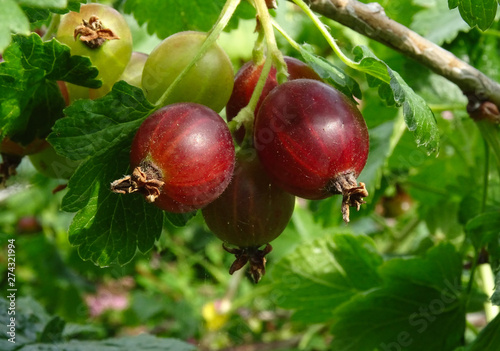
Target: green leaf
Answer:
pixel 418 116
pixel 438 24
pixel 330 73
pixel 53 330
pixel 495 298
pixel 92 126
pixel 452 4
pixel 108 227
pixel 12 20
pixel 44 3
pixel 30 320
pixel 319 276
pixel 27 81
pixel 484 228
pixel 381 147
pixel 128 343
pixel 34 326
pixel 488 337
pixel 177 16
pixel 179 219
pixel 36 15
pixel 418 308
pixel 479 13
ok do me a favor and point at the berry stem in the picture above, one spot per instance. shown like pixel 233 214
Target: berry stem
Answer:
pixel 333 44
pixel 274 57
pixel 258 56
pixel 491 135
pixel 226 14
pixel 272 47
pixel 290 40
pixel 52 28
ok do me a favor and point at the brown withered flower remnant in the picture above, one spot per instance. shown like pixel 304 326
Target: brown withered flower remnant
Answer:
pixel 92 33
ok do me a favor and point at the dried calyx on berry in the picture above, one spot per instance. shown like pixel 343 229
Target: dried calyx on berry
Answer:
pixel 92 33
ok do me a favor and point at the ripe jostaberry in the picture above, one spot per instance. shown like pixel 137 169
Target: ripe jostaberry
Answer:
pixel 250 213
pixel 313 141
pixel 182 158
pixel 246 79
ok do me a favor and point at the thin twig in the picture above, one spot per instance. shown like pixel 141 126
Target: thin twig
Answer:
pixel 371 21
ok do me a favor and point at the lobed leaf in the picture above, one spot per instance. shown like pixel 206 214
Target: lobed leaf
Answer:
pixel 418 307
pixel 27 81
pixel 319 276
pixel 108 227
pixel 93 126
pixel 394 90
pixel 177 16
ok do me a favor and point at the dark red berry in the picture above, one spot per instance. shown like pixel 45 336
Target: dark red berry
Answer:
pixel 313 141
pixel 246 80
pixel 250 213
pixel 182 158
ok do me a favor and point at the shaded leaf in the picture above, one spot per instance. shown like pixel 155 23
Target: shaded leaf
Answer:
pixel 52 332
pixel 495 298
pixel 438 24
pixel 319 276
pixel 484 228
pixel 27 81
pixel 418 308
pixel 489 337
pixel 179 219
pixel 127 343
pixel 177 16
pixel 12 20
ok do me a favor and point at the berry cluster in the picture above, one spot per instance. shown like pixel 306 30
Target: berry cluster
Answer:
pixel 305 139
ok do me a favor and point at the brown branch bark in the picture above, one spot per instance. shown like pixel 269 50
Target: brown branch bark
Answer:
pixel 371 21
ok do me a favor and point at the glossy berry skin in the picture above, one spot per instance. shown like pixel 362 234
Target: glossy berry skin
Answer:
pixel 209 82
pixel 246 79
pixel 191 147
pixel 307 134
pixel 110 58
pixel 252 211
